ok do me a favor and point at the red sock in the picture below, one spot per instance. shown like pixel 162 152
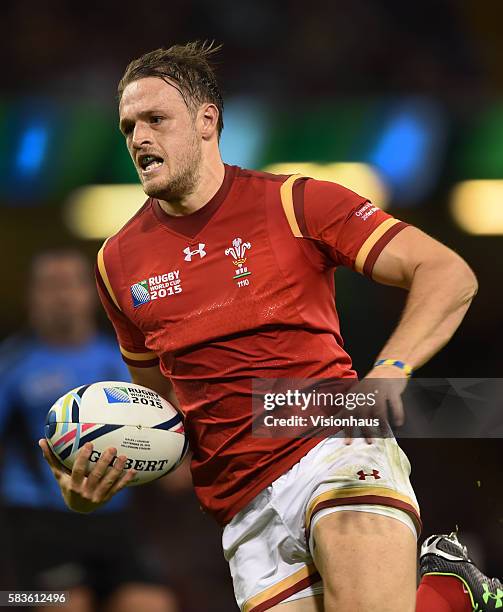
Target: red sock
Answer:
pixel 442 594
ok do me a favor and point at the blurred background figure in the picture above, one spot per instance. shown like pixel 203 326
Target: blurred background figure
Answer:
pixel 45 546
pixel 402 102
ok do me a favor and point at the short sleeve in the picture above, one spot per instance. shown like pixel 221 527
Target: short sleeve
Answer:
pixel 349 229
pixel 130 338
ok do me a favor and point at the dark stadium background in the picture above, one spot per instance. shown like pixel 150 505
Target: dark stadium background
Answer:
pixel 304 82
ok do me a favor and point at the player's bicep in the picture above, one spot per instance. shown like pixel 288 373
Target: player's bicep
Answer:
pixel 152 378
pixel 398 261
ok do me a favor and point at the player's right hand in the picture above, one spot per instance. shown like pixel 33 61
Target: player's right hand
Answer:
pixel 387 385
pixel 87 493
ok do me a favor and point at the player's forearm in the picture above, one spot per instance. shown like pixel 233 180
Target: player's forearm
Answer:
pixel 153 379
pixel 440 294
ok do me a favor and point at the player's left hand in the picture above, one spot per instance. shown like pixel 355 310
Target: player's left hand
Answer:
pixel 85 492
pixel 387 383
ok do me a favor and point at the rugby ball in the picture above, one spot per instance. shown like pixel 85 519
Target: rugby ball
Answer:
pixel 135 420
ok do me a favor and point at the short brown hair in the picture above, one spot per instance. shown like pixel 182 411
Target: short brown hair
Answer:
pixel 188 66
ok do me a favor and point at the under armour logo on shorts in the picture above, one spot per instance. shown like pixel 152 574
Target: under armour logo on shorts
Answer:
pixel 363 476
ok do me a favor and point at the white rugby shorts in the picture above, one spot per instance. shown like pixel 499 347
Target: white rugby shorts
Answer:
pixel 269 543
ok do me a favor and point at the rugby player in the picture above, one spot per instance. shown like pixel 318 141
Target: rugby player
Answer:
pixel 226 274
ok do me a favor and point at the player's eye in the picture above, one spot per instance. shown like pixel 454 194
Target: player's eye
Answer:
pixel 126 129
pixel 156 119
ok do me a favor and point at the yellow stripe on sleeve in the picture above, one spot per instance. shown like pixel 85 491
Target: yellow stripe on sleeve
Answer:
pixel 104 275
pixel 286 194
pixel 138 356
pixel 366 247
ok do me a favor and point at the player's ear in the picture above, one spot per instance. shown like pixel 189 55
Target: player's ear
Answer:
pixel 208 120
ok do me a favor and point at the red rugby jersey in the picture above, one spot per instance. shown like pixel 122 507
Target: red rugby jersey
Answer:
pixel 242 288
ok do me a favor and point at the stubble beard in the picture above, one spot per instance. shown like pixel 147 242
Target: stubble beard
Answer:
pixel 184 181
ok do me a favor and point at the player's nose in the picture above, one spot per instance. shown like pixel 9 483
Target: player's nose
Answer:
pixel 142 136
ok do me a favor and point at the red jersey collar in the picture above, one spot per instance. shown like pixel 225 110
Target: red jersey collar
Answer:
pixel 191 225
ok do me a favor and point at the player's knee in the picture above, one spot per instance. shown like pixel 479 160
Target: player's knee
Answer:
pixel 366 593
pixel 366 602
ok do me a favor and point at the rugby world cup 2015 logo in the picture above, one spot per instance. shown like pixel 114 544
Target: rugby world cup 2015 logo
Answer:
pixel 117 395
pixel 237 252
pixel 156 287
pixel 140 293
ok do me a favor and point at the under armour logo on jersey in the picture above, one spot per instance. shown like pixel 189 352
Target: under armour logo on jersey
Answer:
pixel 199 251
pixel 363 476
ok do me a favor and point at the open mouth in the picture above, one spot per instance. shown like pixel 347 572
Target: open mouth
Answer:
pixel 149 163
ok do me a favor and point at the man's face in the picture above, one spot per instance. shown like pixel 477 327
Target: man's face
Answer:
pixel 161 138
pixel 62 294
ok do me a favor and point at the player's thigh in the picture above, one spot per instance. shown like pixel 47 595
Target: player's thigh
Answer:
pixel 367 562
pixel 306 604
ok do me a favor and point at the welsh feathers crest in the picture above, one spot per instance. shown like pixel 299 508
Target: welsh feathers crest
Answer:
pixel 237 250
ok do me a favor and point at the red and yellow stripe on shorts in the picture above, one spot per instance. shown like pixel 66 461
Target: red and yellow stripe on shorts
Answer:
pixel 371 495
pixel 283 589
